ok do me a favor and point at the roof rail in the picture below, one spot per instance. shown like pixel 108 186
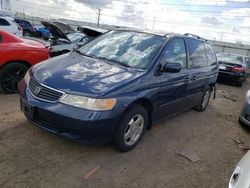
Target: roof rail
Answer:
pixel 170 33
pixel 196 36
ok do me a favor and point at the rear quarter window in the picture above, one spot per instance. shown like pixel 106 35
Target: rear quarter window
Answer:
pixel 211 55
pixel 197 53
pixel 4 22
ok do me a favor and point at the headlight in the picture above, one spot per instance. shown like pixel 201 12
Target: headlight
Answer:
pixel 27 77
pixel 88 103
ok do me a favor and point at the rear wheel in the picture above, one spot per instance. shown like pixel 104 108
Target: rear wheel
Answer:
pixel 131 128
pixel 204 102
pixel 239 83
pixel 10 75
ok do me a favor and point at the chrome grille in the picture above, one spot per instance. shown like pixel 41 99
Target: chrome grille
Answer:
pixel 44 92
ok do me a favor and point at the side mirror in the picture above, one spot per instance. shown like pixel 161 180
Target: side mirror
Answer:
pixel 171 67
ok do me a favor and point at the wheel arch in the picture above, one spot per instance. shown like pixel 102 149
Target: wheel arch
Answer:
pixel 26 63
pixel 147 104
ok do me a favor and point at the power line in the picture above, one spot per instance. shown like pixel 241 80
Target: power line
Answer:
pixel 220 4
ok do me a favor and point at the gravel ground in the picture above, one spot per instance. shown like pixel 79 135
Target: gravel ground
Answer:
pixel 31 157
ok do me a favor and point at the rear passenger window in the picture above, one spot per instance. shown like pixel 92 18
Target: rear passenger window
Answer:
pixel 3 22
pixel 197 54
pixel 211 55
pixel 176 52
pixel 1 39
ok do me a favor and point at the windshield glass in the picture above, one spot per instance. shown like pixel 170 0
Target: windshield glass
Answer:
pixel 131 49
pixel 229 58
pixel 74 37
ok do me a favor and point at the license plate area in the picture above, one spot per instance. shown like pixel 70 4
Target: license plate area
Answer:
pixel 27 108
pixel 222 67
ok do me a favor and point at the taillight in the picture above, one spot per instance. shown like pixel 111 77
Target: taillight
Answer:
pixel 238 69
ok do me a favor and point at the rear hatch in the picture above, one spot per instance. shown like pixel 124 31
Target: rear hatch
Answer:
pixel 55 31
pixel 91 32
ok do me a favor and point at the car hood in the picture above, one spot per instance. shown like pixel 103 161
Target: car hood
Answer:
pixel 75 73
pixel 55 31
pixel 33 43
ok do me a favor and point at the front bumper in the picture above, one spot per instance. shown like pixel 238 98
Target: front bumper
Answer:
pixel 80 125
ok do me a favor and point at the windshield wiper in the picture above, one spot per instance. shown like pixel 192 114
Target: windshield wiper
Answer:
pixel 118 62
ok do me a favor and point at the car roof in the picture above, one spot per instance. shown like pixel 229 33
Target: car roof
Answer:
pixel 6 17
pixel 21 20
pixel 167 35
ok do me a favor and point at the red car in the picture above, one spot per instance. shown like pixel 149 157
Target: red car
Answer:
pixel 16 56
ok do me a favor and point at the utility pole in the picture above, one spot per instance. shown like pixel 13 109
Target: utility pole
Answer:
pixel 5 5
pixel 221 36
pixel 153 24
pixel 99 15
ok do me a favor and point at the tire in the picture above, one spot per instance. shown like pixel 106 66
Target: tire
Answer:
pixel 204 101
pixel 239 83
pixel 10 75
pixel 128 136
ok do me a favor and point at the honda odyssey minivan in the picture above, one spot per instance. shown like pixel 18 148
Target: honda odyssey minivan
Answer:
pixel 115 87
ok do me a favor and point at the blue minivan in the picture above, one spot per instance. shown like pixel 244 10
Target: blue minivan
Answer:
pixel 116 86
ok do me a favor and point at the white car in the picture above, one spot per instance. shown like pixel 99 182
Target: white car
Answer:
pixel 64 38
pixel 8 24
pixel 241 175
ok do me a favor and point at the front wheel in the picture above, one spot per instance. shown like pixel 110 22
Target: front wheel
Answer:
pixel 204 101
pixel 131 129
pixel 10 75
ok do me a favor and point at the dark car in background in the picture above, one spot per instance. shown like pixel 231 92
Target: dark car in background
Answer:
pixel 119 84
pixel 30 30
pixel 27 27
pixel 232 67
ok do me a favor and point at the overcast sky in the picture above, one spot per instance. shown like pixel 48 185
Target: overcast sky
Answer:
pixel 213 19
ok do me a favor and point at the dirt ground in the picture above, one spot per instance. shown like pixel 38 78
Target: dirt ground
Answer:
pixel 31 157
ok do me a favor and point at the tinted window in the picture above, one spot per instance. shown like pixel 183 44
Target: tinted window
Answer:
pixel 211 56
pixel 176 52
pixel 197 55
pixel 128 48
pixel 3 22
pixel 1 39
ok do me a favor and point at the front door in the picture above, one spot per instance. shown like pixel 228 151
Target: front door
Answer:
pixel 173 85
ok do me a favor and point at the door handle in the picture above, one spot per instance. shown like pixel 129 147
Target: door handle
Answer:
pixel 186 79
pixel 194 77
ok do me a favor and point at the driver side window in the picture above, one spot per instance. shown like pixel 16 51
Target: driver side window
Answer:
pixel 176 52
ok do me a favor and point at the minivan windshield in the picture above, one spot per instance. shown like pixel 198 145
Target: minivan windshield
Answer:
pixel 230 58
pixel 131 49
